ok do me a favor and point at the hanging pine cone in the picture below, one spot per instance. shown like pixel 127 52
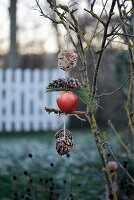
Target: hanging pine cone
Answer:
pixel 64 146
pixel 62 83
pixel 67 60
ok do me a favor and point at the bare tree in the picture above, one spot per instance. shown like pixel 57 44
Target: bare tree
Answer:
pixel 109 32
pixel 13 51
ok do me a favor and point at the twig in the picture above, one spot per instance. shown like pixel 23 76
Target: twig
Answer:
pixel 120 34
pixel 104 7
pixel 56 111
pixel 96 133
pixel 30 183
pixel 92 4
pixel 110 93
pixel 95 16
pixel 120 140
pixel 102 46
pixel 90 164
pixel 43 14
pixel 121 166
pixel 70 168
pixel 122 23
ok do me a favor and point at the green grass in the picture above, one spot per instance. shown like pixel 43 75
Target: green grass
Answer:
pixel 68 175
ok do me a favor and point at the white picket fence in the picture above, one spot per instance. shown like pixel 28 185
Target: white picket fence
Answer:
pixel 23 98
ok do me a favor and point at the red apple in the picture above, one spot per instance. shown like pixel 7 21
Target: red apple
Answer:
pixel 67 101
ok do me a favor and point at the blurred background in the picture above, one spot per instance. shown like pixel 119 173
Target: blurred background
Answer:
pixel 29 46
pixel 29 42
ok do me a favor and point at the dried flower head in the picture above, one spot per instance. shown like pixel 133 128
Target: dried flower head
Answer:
pixel 112 168
pixel 67 60
pixel 64 145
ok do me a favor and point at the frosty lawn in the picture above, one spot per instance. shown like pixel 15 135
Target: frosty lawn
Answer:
pixel 47 169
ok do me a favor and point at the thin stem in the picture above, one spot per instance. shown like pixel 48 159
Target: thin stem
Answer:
pixel 104 8
pixel 95 16
pixel 70 169
pixel 120 140
pixel 130 96
pixel 100 148
pixel 121 166
pixel 121 34
pixel 68 30
pixel 92 4
pixel 90 164
pixel 42 12
pixel 111 93
pixel 56 111
pixel 122 23
pixel 34 190
pixel 102 46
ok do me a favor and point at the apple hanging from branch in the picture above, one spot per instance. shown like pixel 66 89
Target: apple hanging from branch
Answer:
pixel 67 101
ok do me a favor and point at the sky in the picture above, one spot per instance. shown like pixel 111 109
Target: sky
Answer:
pixel 35 33
pixel 31 27
pixel 33 30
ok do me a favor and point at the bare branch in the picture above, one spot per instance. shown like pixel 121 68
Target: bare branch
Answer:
pixel 92 5
pixel 110 93
pixel 95 16
pixel 90 164
pixel 120 165
pixel 120 140
pixel 102 46
pixel 120 34
pixel 104 8
pixel 122 22
pixel 56 111
pixel 42 12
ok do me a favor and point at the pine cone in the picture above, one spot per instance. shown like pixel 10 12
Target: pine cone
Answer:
pixel 62 83
pixel 64 146
pixel 67 60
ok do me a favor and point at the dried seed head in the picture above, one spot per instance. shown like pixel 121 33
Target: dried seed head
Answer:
pixel 64 145
pixel 67 60
pixel 112 168
pixel 62 83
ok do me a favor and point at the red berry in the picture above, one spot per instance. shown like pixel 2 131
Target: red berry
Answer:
pixel 67 101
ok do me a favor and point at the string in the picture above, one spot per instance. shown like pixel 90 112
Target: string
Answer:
pixel 70 115
pixel 63 118
pixel 67 35
pixel 61 121
pixel 64 126
pixel 67 27
pixel 68 22
pixel 66 75
pixel 68 48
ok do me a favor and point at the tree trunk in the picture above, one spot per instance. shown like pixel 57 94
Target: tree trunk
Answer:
pixel 57 33
pixel 13 53
pixel 132 21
